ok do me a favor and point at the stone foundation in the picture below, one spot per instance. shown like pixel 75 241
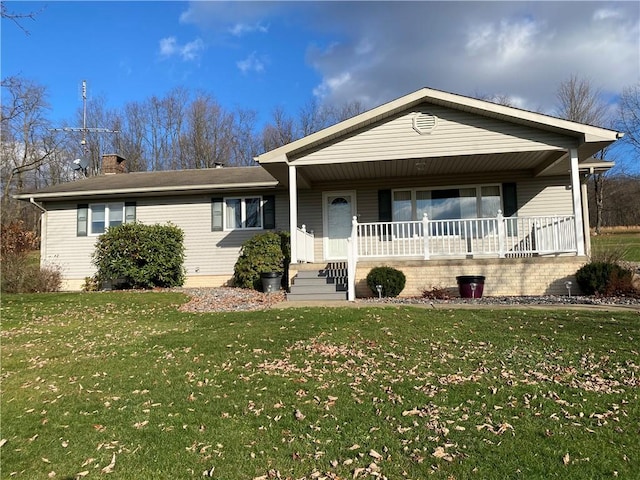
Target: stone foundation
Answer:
pixel 504 276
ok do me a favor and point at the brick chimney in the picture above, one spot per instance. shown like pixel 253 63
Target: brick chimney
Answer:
pixel 113 163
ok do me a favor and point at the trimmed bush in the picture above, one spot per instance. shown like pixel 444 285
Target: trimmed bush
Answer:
pixel 264 252
pixel 134 255
pixel 391 279
pixel 605 278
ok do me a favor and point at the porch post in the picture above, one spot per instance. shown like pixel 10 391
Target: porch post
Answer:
pixel 425 233
pixel 293 212
pixel 352 260
pixel 585 216
pixel 502 239
pixel 577 202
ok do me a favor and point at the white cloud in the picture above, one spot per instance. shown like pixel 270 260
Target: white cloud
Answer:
pixel 605 13
pixel 242 29
pixel 523 50
pixel 251 64
pixel 378 51
pixel 168 46
pixel 190 51
pixel 330 85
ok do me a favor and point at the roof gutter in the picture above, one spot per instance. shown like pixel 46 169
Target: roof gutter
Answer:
pixel 124 191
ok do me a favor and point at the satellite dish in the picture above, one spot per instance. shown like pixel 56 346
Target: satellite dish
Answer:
pixel 80 165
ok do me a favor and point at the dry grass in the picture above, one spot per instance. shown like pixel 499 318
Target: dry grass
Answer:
pixel 619 229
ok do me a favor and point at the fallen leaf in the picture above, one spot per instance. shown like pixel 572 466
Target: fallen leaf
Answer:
pixel 566 459
pixel 2 442
pixel 374 454
pixel 109 468
pixel 82 474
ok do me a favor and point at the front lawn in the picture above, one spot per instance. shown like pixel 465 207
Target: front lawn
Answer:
pixel 124 386
pixel 619 245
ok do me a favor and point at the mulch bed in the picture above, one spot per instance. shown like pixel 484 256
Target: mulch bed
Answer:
pixel 227 299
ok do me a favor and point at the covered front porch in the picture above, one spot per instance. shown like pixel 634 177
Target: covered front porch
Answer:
pixel 437 177
pixel 419 246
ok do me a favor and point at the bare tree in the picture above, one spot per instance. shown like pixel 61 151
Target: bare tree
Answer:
pixel 132 137
pixel 579 101
pixel 16 17
pixel 246 144
pixel 208 140
pixel 497 98
pixel 28 148
pixel 313 116
pixel 280 131
pixel 629 114
pixel 26 141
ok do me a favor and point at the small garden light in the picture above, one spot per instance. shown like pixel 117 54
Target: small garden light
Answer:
pixel 379 289
pixel 568 285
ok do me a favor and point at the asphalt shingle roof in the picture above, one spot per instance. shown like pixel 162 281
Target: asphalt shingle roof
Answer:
pixel 207 179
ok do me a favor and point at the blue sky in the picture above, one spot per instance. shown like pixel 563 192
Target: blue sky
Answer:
pixel 262 55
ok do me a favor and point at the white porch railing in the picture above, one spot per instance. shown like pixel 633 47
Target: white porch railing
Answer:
pixel 499 236
pixel 304 244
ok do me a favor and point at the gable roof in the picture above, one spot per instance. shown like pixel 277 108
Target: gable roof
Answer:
pixel 597 136
pixel 174 182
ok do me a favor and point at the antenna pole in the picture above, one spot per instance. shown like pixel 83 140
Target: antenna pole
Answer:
pixel 84 116
pixel 84 129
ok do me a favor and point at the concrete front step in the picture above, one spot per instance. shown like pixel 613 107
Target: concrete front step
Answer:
pixel 336 296
pixel 318 281
pixel 329 283
pixel 323 288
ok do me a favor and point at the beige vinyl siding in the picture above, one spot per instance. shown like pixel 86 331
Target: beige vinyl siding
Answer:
pixel 310 215
pixel 207 253
pixel 457 133
pixel 536 197
pixel 548 196
pixel 60 245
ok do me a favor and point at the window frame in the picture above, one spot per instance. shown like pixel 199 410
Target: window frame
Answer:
pixel 413 191
pixel 107 216
pixel 243 212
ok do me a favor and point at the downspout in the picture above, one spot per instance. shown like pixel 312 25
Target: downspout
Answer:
pixel 43 229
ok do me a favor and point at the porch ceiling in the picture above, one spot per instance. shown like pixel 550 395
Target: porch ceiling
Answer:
pixel 543 163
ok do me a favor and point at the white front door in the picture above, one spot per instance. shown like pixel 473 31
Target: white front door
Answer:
pixel 339 208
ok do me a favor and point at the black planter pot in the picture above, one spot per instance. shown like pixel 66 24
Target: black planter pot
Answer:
pixel 271 281
pixel 470 286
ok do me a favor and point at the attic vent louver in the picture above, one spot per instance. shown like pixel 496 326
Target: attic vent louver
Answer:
pixel 424 122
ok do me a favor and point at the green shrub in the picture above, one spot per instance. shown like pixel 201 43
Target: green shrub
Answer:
pixel 391 279
pixel 134 255
pixel 605 278
pixel 264 252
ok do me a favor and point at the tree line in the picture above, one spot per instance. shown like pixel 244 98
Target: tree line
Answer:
pixel 180 130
